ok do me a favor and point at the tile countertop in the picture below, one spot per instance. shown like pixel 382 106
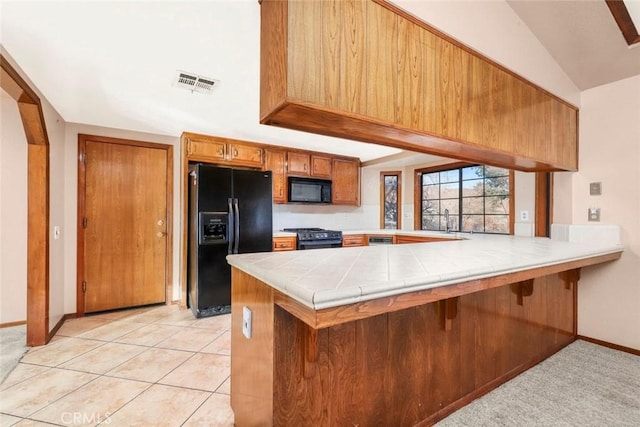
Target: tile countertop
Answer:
pixel 324 278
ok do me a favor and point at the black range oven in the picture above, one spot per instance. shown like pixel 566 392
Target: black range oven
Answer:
pixel 316 238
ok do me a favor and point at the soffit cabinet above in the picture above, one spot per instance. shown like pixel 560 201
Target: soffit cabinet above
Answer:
pixel 369 71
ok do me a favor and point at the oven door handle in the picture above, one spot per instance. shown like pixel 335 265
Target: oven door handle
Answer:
pixel 320 244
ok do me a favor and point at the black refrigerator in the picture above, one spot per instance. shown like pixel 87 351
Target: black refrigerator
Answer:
pixel 230 212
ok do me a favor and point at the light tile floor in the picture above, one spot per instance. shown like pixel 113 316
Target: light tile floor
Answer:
pixel 156 366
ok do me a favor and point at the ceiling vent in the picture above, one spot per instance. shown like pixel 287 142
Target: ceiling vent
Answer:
pixel 194 82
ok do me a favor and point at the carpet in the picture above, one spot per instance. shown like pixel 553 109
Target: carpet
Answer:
pixel 12 347
pixel 584 384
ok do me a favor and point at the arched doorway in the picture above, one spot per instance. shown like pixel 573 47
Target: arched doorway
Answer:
pixel 37 202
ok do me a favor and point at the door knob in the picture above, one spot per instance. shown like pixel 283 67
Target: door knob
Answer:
pixel 160 234
pixel 160 222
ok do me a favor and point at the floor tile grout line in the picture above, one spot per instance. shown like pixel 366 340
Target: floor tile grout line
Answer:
pixel 64 395
pixel 217 333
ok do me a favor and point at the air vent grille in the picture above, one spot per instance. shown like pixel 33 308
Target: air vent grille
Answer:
pixel 194 82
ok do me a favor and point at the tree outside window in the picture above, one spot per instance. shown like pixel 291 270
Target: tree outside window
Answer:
pixel 477 198
pixel 390 194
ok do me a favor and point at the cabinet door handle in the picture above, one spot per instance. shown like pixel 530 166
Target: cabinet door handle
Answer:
pixel 235 153
pixel 305 166
pixel 221 151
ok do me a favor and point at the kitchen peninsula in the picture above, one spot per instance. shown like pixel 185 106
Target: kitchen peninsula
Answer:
pixel 397 334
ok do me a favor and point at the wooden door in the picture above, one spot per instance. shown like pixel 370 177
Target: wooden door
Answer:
pixel 124 225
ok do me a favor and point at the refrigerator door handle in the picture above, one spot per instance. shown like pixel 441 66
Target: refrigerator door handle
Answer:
pixel 236 236
pixel 230 235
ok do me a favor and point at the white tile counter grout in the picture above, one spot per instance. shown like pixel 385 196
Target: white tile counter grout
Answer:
pixel 324 278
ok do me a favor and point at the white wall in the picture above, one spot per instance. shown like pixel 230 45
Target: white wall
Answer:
pixel 13 213
pixel 609 294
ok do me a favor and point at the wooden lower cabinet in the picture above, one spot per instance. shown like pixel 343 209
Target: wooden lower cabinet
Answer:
pixel 354 240
pixel 400 239
pixel 284 244
pixel 401 368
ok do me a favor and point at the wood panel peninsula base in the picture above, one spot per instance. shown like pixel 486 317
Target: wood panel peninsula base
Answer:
pixel 404 360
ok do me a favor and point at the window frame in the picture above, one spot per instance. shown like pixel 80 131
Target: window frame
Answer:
pixel 417 195
pixel 397 174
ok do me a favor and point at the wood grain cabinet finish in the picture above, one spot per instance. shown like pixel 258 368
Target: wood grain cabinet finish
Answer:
pixel 275 162
pixel 354 240
pixel 247 155
pixel 226 151
pixel 401 239
pixel 346 182
pixel 298 163
pixel 405 367
pixel 284 244
pixel 369 71
pixel 320 166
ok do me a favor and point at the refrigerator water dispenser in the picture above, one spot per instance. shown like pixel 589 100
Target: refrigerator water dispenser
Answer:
pixel 213 228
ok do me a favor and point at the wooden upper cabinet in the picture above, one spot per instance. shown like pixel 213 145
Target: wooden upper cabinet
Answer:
pixel 346 182
pixel 246 154
pixel 205 149
pixel 320 166
pixel 366 70
pixel 275 162
pixel 211 149
pixel 298 163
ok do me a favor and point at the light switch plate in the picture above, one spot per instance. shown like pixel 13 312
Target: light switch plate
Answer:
pixel 595 188
pixel 246 322
pixel 594 214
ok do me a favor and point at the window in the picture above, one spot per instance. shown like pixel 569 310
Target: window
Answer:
pixel 476 198
pixel 390 190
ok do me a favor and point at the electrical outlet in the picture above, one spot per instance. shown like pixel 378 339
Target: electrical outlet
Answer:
pixel 524 215
pixel 594 214
pixel 595 188
pixel 246 322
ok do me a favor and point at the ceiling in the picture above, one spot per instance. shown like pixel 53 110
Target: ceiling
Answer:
pixel 583 38
pixel 112 63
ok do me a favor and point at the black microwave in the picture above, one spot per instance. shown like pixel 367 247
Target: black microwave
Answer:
pixel 309 190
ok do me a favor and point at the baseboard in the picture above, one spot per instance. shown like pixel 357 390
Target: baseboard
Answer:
pixel 10 324
pixel 60 323
pixel 610 345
